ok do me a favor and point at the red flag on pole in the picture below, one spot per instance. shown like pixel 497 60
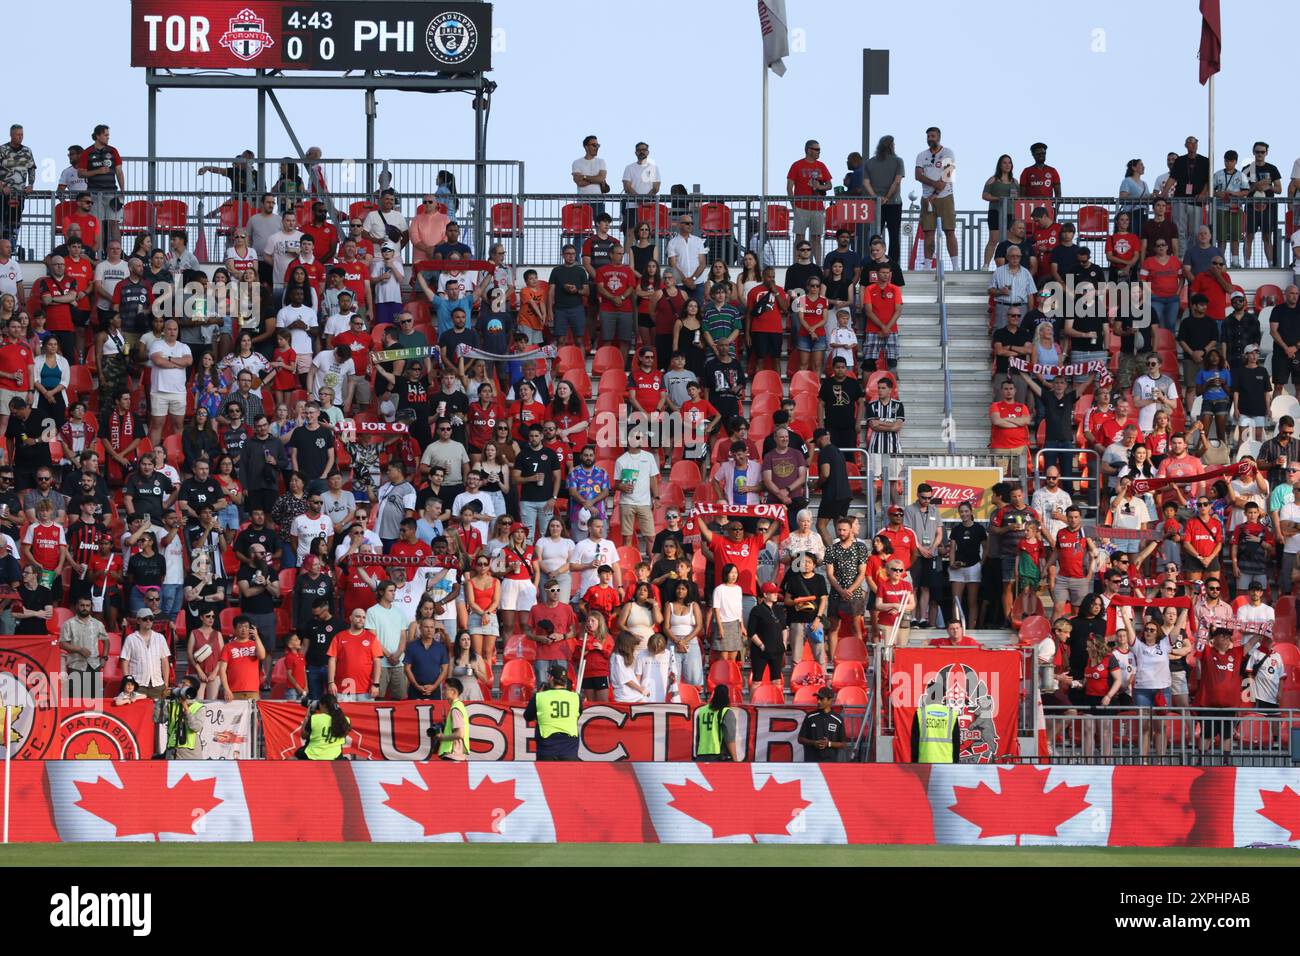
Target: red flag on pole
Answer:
pixel 1211 39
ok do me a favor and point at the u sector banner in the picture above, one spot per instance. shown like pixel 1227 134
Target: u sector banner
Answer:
pixel 793 803
pixel 984 687
pixel 607 732
pixel 227 732
pixel 956 486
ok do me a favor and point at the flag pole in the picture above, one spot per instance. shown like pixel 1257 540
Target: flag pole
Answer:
pixel 762 192
pixel 8 766
pixel 1210 154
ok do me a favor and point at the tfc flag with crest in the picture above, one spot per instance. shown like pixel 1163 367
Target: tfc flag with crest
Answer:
pixel 983 686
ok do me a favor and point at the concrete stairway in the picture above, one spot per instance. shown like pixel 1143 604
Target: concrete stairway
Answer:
pixel 920 371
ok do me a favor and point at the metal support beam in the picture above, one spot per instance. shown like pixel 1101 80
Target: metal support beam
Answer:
pixel 480 166
pixel 372 112
pixel 261 140
pixel 268 80
pixel 153 140
pixel 284 119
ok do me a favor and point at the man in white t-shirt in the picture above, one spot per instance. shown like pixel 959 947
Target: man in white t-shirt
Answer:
pixel 283 247
pixel 1289 517
pixel 300 319
pixel 108 273
pixel 641 178
pixel 310 525
pixel 169 359
pixel 474 492
pixel 590 554
pixel 934 171
pixel 1051 500
pixel 1152 392
pixel 11 272
pixel 1256 611
pixel 636 476
pixel 387 224
pixel 332 369
pixel 407 596
pixel 589 170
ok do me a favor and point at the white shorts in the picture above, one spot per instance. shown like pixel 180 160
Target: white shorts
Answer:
pixel 970 575
pixel 167 403
pixel 517 595
pixel 6 397
pixel 1247 421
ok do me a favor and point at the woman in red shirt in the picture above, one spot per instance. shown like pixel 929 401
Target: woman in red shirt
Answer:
pixel 482 596
pixel 1165 273
pixel 1122 249
pixel 877 576
pixel 598 646
pixel 1157 440
pixel 647 294
pixel 526 410
pixel 480 419
pixel 569 412
pixel 667 311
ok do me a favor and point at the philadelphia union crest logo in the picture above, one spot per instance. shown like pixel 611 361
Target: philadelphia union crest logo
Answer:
pixel 451 38
pixel 962 689
pixel 246 36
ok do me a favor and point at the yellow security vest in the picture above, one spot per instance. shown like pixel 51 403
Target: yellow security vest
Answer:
pixel 321 744
pixel 446 746
pixel 708 731
pixel 190 738
pixel 937 722
pixel 557 712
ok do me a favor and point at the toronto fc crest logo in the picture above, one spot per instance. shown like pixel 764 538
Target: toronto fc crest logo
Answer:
pixel 247 36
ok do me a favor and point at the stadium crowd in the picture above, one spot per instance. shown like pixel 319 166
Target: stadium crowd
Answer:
pixel 397 462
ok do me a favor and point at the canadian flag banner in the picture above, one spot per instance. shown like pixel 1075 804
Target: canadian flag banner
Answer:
pixel 523 802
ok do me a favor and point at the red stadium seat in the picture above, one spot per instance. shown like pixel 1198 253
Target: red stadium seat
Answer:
pixel 807 673
pixel 764 404
pixel 607 357
pixel 689 694
pixel 767 382
pixel 715 220
pixel 848 674
pixel 576 220
pixel 806 696
pixel 613 381
pixel 518 681
pixel 519 648
pixel 685 473
pixel 507 219
pixel 778 222
pixel 726 672
pixel 1267 294
pixel 79 381
pixel 171 214
pixel 851 697
pixel 136 217
pixel 850 649
pixel 226 620
pixel 766 694
pixel 1094 222
pixel 657 215
pixel 570 356
pixel 232 214
pixel 61 614
pixel 361 208
pixel 579 379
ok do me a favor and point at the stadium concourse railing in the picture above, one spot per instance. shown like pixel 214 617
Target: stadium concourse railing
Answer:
pixel 1177 736
pixel 534 226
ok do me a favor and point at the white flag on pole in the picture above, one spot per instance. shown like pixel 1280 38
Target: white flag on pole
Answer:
pixel 776 34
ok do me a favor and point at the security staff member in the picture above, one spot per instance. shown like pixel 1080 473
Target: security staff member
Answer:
pixel 715 728
pixel 822 732
pixel 325 731
pixel 936 733
pixel 555 708
pixel 453 742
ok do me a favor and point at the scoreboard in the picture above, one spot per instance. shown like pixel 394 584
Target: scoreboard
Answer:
pixel 408 36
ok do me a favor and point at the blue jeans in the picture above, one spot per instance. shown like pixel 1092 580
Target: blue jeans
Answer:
pixel 1166 311
pixel 690 669
pixel 531 513
pixel 288 554
pixel 1145 697
pixel 170 605
pixel 317 681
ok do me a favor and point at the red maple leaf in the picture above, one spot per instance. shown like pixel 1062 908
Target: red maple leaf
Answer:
pixel 448 804
pixel 1283 808
pixel 1025 805
pixel 145 803
pixel 732 805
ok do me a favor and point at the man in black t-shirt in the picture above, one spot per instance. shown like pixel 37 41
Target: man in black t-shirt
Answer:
pixel 412 392
pixel 1252 394
pixel 536 498
pixel 841 405
pixel 450 341
pixel 259 592
pixel 1012 341
pixel 147 491
pixel 822 732
pixel 31 447
pixel 259 534
pixel 435 489
pixel 567 282
pixel 311 448
pixel 317 637
pixel 1197 334
pixel 200 489
pixel 1284 327
pixel 725 382
pixel 452 404
pixel 1016 236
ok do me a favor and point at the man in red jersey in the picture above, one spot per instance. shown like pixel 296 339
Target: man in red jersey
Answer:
pixel 1046 237
pixel 615 283
pixel 1221 675
pixel 241 667
pixel 1180 464
pixel 647 393
pixel 883 303
pixel 15 369
pixel 408 544
pixel 356 276
pixel 311 263
pixel 100 165
pixel 1202 542
pixel 355 659
pixel 809 179
pixel 906 547
pixel 739 549
pixel 58 293
pixel 85 221
pixel 1009 423
pixel 325 237
pixel 1040 181
pixel 1067 576
pixel 357 339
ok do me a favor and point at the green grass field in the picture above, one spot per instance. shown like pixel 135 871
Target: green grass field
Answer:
pixel 574 854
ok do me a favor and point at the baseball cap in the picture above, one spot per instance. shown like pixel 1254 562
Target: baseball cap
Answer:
pixel 1256 585
pixel 895 510
pixel 1250 348
pixel 388 410
pixel 143 613
pixel 825 692
pixel 1237 294
pixel 770 588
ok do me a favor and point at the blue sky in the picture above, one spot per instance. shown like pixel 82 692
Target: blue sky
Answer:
pixel 686 77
